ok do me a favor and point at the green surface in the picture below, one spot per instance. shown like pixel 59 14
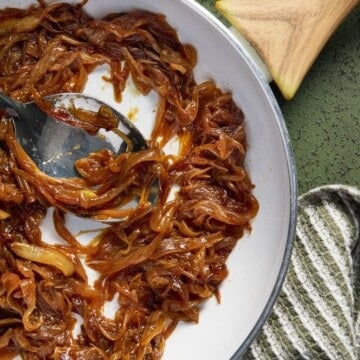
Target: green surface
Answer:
pixel 324 117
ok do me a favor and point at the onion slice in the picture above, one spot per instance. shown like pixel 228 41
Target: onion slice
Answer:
pixel 48 256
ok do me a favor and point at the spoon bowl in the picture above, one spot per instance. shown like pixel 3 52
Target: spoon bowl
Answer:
pixel 55 145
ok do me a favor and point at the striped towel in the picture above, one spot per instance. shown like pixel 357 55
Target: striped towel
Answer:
pixel 317 313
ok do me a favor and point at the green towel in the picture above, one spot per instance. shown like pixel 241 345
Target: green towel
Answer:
pixel 317 313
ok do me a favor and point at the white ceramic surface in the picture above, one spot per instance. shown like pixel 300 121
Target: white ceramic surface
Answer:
pixel 259 262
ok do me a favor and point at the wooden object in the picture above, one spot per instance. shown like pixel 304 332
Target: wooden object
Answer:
pixel 287 34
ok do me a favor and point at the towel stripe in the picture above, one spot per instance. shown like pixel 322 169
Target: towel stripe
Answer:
pixel 335 290
pixel 336 325
pixel 330 251
pixel 297 343
pixel 308 319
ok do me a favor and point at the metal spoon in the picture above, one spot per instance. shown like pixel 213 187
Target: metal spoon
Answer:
pixel 54 145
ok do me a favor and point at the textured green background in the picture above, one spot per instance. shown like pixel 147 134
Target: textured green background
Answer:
pixel 324 117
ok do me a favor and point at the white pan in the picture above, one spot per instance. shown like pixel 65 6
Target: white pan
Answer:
pixel 259 262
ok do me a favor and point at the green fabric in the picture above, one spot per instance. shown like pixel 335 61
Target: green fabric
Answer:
pixel 317 313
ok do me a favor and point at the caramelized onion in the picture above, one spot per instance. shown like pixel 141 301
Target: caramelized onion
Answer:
pixel 42 255
pixel 4 215
pixel 162 259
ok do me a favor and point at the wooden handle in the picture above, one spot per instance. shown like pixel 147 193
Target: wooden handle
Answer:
pixel 287 34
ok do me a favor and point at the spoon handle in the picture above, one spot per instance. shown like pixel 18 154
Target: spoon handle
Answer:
pixel 287 34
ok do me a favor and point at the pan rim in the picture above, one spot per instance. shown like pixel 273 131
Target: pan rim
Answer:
pixel 291 166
